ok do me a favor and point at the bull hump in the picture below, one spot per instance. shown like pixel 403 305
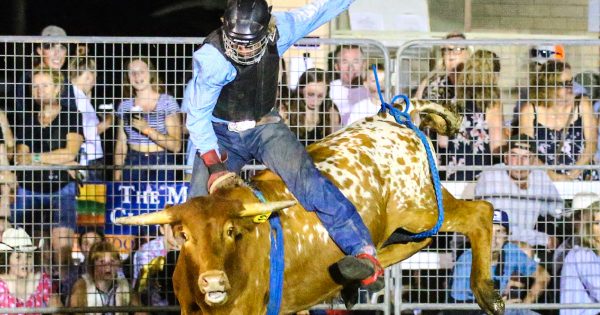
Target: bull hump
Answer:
pixel 365 157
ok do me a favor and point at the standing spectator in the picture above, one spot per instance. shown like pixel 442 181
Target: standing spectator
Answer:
pixel 150 126
pixel 348 89
pixel 82 72
pixel 563 125
pixel 312 115
pixel 480 133
pixel 20 284
pixel 49 136
pixel 7 178
pixel 580 275
pixel 508 262
pixel 523 193
pixel 51 56
pixel 369 106
pixel 439 85
pixel 102 285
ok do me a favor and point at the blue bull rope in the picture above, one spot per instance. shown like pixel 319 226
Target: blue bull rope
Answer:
pixel 403 117
pixel 276 260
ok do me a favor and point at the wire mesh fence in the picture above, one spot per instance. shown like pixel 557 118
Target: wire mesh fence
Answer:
pixel 94 130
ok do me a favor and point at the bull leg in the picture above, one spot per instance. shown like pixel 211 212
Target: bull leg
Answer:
pixel 395 253
pixel 474 220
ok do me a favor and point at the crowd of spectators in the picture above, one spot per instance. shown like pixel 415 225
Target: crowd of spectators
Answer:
pixel 53 121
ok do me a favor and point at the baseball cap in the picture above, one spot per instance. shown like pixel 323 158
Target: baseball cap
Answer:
pixel 542 53
pixel 501 217
pixel 53 30
pixel 16 240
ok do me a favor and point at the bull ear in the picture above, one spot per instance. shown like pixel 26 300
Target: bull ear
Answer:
pixel 166 216
pixel 258 208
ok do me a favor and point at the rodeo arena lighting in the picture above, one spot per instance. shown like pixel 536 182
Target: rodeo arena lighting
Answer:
pixel 307 157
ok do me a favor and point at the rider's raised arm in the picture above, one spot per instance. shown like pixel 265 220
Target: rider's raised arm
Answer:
pixel 295 24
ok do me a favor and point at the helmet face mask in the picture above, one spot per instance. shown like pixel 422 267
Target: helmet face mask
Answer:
pixel 245 53
pixel 246 30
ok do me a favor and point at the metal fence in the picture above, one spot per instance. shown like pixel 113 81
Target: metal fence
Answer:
pixel 321 91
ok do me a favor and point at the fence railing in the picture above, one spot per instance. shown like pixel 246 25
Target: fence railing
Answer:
pixel 345 95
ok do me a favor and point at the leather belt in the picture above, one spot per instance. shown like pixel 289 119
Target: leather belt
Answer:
pixel 239 126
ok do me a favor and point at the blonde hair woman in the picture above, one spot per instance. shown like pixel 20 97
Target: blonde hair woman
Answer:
pixel 478 100
pixel 563 125
pixel 580 274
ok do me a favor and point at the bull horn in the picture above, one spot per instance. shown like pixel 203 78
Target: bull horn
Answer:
pixel 258 208
pixel 158 217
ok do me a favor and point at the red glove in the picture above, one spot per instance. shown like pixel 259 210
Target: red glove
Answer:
pixel 218 173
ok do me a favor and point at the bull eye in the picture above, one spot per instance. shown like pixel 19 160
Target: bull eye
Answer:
pixel 183 235
pixel 230 231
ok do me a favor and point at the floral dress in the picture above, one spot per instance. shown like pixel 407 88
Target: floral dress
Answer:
pixel 562 147
pixel 39 298
pixel 470 146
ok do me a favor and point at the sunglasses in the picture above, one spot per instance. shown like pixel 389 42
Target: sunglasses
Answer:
pixel 454 50
pixel 543 53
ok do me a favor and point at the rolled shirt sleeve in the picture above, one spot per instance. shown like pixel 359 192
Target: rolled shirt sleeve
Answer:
pixel 211 72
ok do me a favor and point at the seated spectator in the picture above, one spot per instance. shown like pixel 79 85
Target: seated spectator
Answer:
pixel 563 125
pixel 439 84
pixel 525 194
pixel 508 262
pixel 51 135
pixel 150 127
pixel 481 132
pixel 145 264
pixel 20 284
pixel 311 114
pixel 102 285
pixel 86 240
pixel 580 275
pixel 348 89
pixel 590 81
pixel 82 72
pixel 369 106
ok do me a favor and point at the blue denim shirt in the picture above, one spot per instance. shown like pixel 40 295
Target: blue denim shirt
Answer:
pixel 212 70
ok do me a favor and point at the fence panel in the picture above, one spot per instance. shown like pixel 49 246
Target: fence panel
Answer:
pixel 60 93
pixel 505 89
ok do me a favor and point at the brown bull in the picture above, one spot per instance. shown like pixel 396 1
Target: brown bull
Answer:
pixel 380 166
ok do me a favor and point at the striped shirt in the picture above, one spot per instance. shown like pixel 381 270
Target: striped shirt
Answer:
pixel 165 107
pixel 580 280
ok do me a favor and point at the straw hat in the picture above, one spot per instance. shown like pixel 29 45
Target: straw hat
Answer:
pixel 16 240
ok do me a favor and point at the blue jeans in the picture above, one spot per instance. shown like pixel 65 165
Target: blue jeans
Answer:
pixel 278 148
pixel 136 158
pixel 34 210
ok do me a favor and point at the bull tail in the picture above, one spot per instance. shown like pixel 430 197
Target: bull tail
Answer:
pixel 444 119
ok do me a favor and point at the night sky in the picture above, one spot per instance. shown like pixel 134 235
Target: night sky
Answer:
pixel 112 17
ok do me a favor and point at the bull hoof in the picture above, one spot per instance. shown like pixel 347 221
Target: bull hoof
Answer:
pixel 489 300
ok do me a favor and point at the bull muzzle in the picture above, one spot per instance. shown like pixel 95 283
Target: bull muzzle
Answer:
pixel 214 284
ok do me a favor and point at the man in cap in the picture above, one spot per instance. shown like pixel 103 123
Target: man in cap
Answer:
pixel 232 110
pixel 524 193
pixel 508 262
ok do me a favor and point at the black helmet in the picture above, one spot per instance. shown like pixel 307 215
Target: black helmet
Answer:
pixel 246 23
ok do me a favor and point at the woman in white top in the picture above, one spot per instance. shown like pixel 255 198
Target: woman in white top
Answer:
pixel 82 72
pixel 102 285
